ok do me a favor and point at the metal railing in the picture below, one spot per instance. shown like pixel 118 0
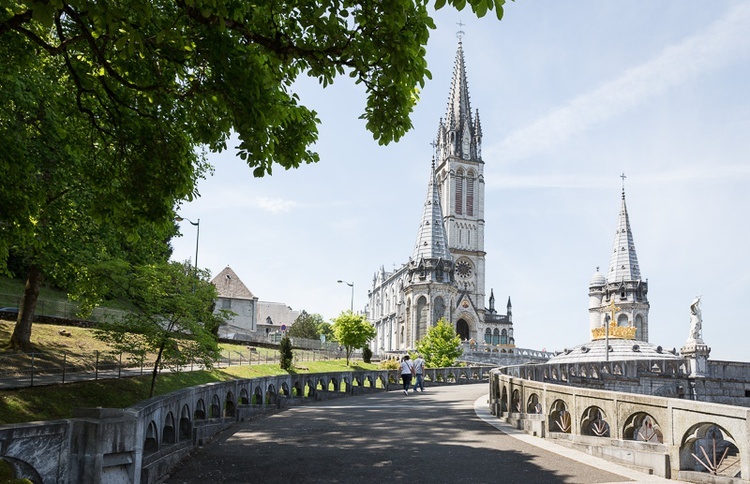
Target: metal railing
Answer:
pixel 20 370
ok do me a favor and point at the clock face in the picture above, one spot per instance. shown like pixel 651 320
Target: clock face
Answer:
pixel 463 268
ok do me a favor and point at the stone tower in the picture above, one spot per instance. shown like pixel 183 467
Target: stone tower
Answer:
pixel 460 174
pixel 429 289
pixel 622 285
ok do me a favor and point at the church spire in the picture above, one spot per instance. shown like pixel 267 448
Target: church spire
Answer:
pixel 460 134
pixel 432 241
pixel 623 265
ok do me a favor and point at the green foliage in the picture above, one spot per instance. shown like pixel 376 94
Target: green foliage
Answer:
pixel 390 364
pixel 352 331
pixel 326 329
pixel 441 346
pixel 173 317
pixel 285 353
pixel 306 326
pixel 107 109
pixel 366 354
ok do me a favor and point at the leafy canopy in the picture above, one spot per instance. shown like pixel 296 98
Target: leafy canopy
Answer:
pixel 306 326
pixel 174 314
pixel 106 108
pixel 352 331
pixel 441 346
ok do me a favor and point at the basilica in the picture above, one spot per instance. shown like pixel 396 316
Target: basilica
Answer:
pixel 445 276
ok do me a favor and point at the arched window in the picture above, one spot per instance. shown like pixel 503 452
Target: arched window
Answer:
pixel 488 336
pixel 504 337
pixel 496 337
pixel 470 194
pixel 459 191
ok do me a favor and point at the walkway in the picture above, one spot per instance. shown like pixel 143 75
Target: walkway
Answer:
pixel 444 435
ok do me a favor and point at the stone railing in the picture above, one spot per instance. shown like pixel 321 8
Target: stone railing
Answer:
pixel 685 439
pixel 141 443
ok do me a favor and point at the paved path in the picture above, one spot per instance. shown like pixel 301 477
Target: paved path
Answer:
pixel 444 435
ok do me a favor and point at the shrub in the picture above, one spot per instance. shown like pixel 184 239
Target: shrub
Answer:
pixel 286 355
pixel 389 365
pixel 366 354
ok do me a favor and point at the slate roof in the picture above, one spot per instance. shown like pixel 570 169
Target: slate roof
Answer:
pixel 622 350
pixel 230 286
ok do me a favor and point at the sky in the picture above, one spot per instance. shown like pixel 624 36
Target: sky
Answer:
pixel 571 95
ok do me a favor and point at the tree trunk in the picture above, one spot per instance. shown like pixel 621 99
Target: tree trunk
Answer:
pixel 21 338
pixel 156 369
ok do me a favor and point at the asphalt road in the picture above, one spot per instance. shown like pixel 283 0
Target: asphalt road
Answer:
pixel 444 435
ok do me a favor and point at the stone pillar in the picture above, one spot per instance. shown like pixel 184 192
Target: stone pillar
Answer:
pixel 696 353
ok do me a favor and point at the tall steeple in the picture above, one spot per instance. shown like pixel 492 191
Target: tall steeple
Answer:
pixel 623 265
pixel 623 286
pixel 459 134
pixel 431 248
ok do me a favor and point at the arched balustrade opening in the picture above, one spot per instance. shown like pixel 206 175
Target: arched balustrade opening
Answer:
pixel 594 422
pixel 559 417
pixel 642 427
pixel 708 448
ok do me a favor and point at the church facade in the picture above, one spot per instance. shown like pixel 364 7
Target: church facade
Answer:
pixel 445 275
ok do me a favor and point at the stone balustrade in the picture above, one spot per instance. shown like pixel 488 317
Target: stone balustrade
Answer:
pixel 142 443
pixel 685 439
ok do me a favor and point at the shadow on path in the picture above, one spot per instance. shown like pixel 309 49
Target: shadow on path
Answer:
pixel 432 437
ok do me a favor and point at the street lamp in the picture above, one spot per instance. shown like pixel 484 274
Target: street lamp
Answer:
pixel 197 236
pixel 352 286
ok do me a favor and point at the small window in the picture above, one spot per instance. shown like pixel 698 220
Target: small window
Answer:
pixel 226 304
pixel 747 393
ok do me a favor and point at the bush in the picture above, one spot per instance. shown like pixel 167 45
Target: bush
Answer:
pixel 286 355
pixel 366 354
pixel 389 365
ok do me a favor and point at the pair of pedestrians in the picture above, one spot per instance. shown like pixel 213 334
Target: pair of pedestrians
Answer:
pixel 411 369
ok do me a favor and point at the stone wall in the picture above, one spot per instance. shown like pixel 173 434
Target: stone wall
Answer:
pixel 142 443
pixel 657 434
pixel 725 382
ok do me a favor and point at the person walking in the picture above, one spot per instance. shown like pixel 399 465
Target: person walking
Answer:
pixel 419 373
pixel 407 370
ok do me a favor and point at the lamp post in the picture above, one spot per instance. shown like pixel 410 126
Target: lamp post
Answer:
pixel 352 286
pixel 197 236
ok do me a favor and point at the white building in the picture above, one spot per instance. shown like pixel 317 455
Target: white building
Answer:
pixel 251 315
pixel 445 276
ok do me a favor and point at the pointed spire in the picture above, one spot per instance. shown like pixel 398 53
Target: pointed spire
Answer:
pixel 432 241
pixel 623 265
pixel 459 107
pixel 459 134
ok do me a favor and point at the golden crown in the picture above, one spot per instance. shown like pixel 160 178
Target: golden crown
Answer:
pixel 615 332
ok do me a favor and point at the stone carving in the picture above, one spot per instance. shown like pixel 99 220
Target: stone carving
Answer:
pixel 696 320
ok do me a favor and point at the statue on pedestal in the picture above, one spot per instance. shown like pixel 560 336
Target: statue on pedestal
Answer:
pixel 695 350
pixel 696 319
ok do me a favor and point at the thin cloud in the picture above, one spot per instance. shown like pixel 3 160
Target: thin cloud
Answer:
pixel 275 205
pixel 723 41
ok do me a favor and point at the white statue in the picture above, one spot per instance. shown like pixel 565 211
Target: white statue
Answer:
pixel 696 319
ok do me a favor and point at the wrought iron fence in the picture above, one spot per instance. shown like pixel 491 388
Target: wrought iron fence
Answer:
pixel 19 370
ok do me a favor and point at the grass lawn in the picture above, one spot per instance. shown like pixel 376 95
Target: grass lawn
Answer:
pixel 58 401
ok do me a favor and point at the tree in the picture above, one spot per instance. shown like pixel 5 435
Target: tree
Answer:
pixel 441 346
pixel 352 331
pixel 326 329
pixel 305 326
pixel 173 318
pixel 118 101
pixel 286 354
